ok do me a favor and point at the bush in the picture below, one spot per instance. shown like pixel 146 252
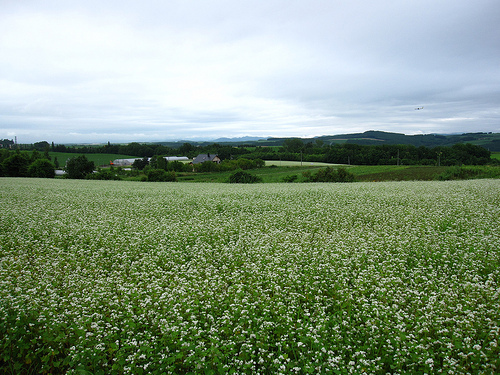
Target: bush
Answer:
pixel 103 174
pixel 464 173
pixel 175 166
pixel 16 165
pixel 290 178
pixel 41 168
pixel 161 175
pixel 140 164
pixel 329 175
pixel 242 177
pixel 79 167
pixel 207 166
pixel 459 173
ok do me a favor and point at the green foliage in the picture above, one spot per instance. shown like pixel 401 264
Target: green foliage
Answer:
pixel 242 177
pixel 177 166
pixel 16 165
pixel 140 164
pixel 241 163
pixel 207 166
pixel 158 162
pixel 293 145
pixel 290 178
pixel 464 173
pixel 330 174
pixel 396 173
pixel 160 175
pixel 78 167
pixel 104 174
pixel 41 168
pixel 41 146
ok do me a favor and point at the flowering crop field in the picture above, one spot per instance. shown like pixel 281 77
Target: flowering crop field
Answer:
pixel 114 277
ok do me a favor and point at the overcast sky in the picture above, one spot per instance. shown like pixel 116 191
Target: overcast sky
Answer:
pixel 153 70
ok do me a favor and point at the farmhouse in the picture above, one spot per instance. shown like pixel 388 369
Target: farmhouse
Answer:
pixel 206 157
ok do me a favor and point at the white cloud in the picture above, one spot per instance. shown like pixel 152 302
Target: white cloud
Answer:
pixel 178 69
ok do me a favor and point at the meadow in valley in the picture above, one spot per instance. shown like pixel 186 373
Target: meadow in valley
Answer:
pixel 122 277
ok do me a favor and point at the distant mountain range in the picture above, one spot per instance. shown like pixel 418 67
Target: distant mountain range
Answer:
pixel 490 141
pixel 487 140
pixel 237 139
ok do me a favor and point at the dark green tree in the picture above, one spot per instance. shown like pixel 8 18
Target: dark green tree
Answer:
pixel 46 153
pixel 40 146
pixel 293 145
pixel 103 174
pixel 161 175
pixel 329 174
pixel 78 167
pixel 42 168
pixel 176 166
pixel 34 156
pixel 140 164
pixel 242 177
pixel 207 166
pixel 161 163
pixel 16 165
pixel 187 149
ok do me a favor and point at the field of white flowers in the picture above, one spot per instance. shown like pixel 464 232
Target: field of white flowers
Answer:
pixel 106 277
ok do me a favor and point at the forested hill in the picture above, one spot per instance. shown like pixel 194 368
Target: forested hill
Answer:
pixel 490 141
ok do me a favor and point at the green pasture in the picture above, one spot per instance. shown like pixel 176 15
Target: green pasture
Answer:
pixel 287 163
pixel 274 173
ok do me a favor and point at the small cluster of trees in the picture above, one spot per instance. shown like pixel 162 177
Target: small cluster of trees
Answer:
pixel 159 162
pixel 242 177
pixel 229 165
pixel 23 164
pixel 35 164
pixel 329 174
pixel 79 167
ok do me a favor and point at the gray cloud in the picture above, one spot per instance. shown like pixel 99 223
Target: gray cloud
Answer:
pixel 154 70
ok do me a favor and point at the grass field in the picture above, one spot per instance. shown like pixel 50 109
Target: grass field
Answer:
pixel 276 171
pixel 117 277
pixel 286 163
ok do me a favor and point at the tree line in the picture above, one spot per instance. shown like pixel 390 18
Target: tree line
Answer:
pixel 23 164
pixel 350 153
pixel 296 149
pixel 39 164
